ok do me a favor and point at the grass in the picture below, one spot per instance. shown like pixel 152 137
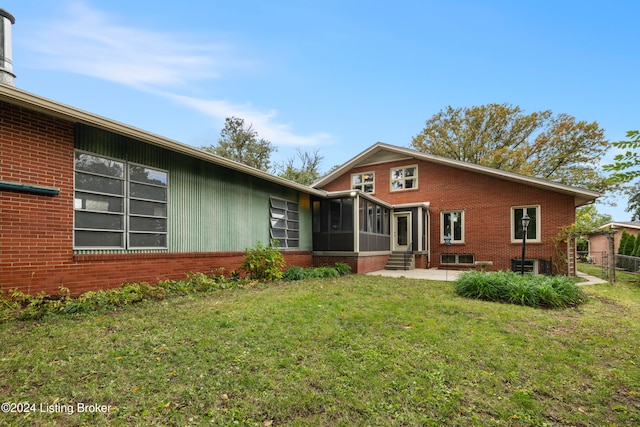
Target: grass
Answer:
pixel 357 350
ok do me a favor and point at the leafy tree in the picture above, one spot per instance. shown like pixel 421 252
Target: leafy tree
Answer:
pixel 588 219
pixel 626 168
pixel 502 136
pixel 627 243
pixel 241 144
pixel 307 173
pixel 633 205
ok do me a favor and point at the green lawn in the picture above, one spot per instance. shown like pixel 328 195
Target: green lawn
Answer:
pixel 358 350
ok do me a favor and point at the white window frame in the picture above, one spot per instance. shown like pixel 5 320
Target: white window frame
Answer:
pixel 126 214
pixel 362 184
pixel 442 226
pixel 402 180
pixel 457 259
pixel 538 222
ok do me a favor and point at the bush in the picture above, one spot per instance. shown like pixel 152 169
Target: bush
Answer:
pixel 299 273
pixel 530 290
pixel 263 263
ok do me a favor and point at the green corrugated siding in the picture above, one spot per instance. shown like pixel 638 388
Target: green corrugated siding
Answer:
pixel 211 208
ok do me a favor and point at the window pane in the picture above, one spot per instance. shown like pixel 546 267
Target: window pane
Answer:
pixel 447 259
pixel 368 177
pixel 356 179
pixel 465 259
pixel 99 165
pixel 147 175
pixel 409 183
pixel 99 239
pixel 96 202
pixel 368 188
pixel 457 226
pixel 99 184
pixel 410 172
pixel 99 221
pixel 278 223
pixel 396 185
pixel 347 214
pixel 139 240
pixel 532 229
pixel 277 203
pixel 139 207
pixel 142 191
pixel 278 233
pixel 137 223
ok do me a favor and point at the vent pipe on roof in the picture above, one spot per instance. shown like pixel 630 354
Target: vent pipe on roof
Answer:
pixel 6 66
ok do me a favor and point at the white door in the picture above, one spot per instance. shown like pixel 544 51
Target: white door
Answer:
pixel 401 231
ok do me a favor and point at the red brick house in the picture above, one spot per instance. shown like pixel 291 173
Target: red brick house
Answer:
pixel 414 200
pixel 90 203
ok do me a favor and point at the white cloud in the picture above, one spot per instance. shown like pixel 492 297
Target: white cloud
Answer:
pixel 88 42
pixel 279 134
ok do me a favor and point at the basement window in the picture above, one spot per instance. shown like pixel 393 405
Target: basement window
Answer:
pixel 119 205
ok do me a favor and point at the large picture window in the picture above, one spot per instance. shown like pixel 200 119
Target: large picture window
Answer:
pixel 119 205
pixel 364 182
pixel 285 223
pixel 533 231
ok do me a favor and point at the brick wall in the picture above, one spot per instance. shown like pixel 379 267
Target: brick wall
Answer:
pixel 486 202
pixel 36 232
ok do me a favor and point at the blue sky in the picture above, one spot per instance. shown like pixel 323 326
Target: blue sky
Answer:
pixel 333 76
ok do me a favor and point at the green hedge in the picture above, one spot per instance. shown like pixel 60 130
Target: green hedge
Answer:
pixel 514 288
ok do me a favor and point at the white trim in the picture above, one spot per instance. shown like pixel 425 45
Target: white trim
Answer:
pixel 462 231
pixel 403 179
pixel 363 184
pixel 394 234
pixel 538 238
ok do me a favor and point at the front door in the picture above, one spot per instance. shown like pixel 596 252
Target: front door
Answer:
pixel 401 231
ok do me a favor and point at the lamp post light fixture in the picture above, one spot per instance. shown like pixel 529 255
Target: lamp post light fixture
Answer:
pixel 525 225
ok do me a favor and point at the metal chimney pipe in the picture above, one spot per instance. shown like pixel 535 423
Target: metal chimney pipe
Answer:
pixel 6 65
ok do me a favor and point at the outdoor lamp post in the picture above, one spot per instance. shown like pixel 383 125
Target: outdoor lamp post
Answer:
pixel 525 224
pixel 447 242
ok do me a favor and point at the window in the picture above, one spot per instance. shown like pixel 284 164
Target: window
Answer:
pixel 374 218
pixel 457 259
pixel 452 224
pixel 285 223
pixel 405 178
pixel 364 182
pixel 533 231
pixel 119 205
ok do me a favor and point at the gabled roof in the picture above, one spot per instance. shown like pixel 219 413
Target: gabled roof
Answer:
pixel 33 102
pixel 382 153
pixel 630 224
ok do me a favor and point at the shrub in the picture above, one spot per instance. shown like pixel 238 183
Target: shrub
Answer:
pixel 530 290
pixel 263 263
pixel 299 273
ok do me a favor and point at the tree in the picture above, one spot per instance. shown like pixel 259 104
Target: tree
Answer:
pixel 241 144
pixel 501 136
pixel 307 173
pixel 626 168
pixel 627 160
pixel 588 219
